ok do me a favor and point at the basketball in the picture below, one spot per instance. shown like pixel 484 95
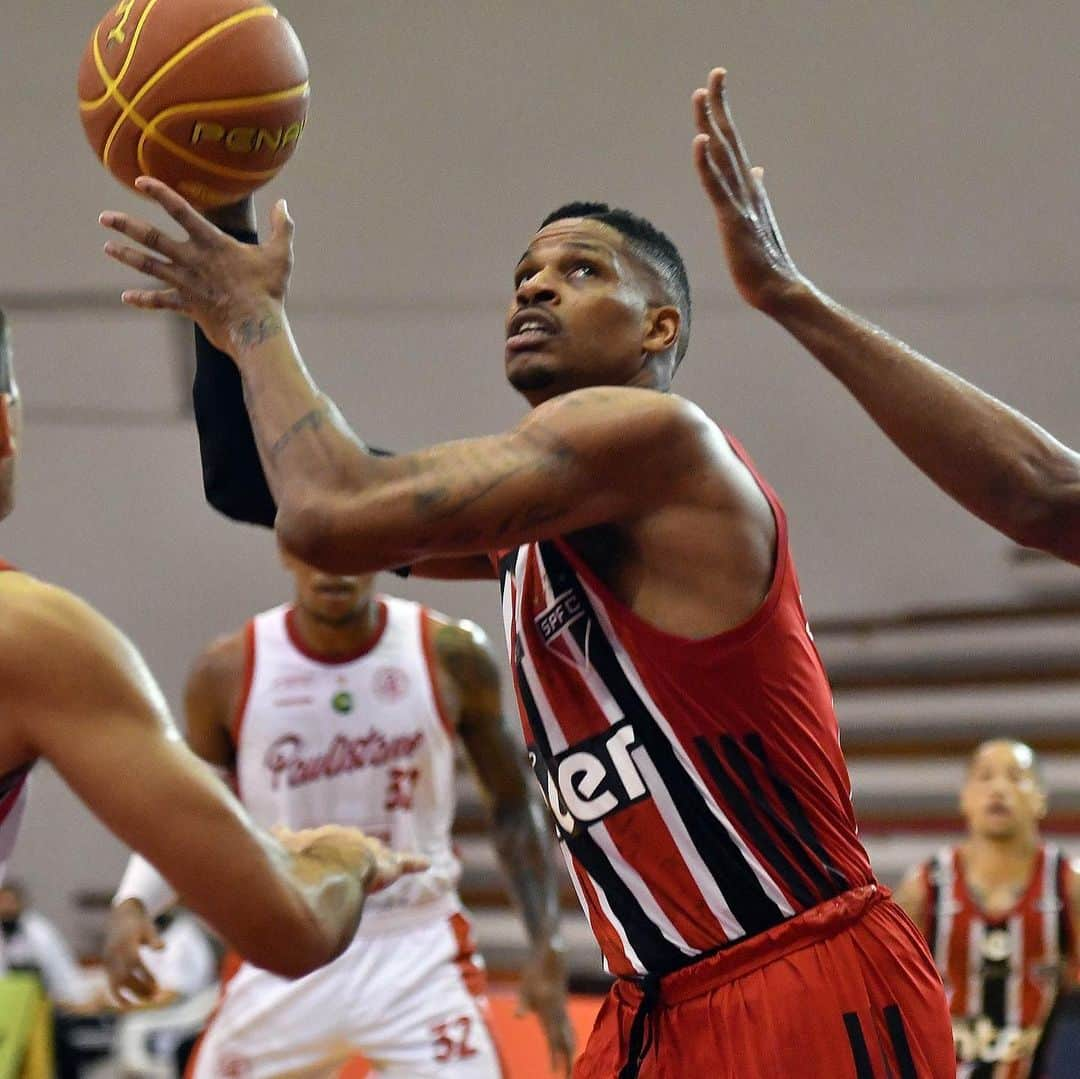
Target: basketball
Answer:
pixel 208 96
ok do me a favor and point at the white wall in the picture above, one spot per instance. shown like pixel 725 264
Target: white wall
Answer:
pixel 922 158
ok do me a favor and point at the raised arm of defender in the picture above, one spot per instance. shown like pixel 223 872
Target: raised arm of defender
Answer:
pixel 990 458
pixel 87 703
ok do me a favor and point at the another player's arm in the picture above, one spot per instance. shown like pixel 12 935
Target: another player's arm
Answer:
pixel 987 456
pixel 589 457
pixel 211 697
pixel 519 826
pixel 912 895
pixel 87 703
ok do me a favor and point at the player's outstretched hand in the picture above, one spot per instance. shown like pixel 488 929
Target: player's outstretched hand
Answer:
pixel 352 848
pixel 759 262
pixel 128 931
pixel 227 287
pixel 543 991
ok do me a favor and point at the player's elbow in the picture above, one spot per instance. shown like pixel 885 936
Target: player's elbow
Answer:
pixel 305 531
pixel 1045 513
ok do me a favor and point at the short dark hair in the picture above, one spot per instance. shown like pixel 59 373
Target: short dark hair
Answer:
pixel 5 356
pixel 653 247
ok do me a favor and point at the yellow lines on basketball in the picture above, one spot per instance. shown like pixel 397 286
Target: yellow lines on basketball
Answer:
pixel 150 131
pixel 109 82
pixel 178 57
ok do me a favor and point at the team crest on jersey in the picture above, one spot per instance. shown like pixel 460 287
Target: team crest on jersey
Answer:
pixel 390 684
pixel 553 625
pixel 235 1067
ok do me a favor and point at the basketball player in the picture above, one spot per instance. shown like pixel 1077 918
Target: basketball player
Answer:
pixel 75 692
pixel 679 718
pixel 1001 913
pixel 345 707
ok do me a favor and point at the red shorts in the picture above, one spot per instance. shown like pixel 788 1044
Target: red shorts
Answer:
pixel 846 990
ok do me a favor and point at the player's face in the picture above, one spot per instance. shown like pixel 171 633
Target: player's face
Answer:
pixel 1002 797
pixel 329 598
pixel 581 313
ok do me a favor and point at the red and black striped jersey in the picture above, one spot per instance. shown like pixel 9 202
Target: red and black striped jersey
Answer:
pixel 698 786
pixel 1001 973
pixel 12 797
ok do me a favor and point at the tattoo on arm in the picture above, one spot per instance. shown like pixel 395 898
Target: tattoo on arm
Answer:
pixel 445 498
pixel 310 421
pixel 520 830
pixel 253 332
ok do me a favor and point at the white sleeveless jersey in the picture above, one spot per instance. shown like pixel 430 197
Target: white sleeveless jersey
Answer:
pixel 360 742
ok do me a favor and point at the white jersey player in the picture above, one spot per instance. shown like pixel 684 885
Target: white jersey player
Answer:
pixel 344 708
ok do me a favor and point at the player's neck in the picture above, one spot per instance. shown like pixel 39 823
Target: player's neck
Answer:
pixel 334 640
pixel 991 860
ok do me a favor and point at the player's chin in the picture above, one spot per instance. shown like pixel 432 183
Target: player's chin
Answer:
pixel 532 372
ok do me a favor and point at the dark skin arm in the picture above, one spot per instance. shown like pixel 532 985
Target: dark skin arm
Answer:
pixel 469 686
pixel 642 462
pixel 987 456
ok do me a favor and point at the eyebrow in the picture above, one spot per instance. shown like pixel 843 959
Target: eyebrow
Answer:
pixel 578 245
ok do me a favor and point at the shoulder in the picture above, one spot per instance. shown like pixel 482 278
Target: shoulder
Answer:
pixel 223 657
pixel 463 651
pixel 220 667
pixel 48 624
pixel 648 413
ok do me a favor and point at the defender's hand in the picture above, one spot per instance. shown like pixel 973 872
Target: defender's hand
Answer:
pixel 230 289
pixel 543 991
pixel 128 930
pixel 763 271
pixel 354 851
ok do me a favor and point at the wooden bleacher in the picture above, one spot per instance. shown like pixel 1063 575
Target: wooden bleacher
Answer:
pixel 915 692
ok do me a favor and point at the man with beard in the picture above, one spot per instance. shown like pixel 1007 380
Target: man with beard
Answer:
pixel 677 713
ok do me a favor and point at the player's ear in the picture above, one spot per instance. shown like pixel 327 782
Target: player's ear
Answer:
pixel 661 329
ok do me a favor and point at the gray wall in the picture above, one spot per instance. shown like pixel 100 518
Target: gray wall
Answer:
pixel 922 158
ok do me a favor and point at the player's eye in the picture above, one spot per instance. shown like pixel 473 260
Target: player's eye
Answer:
pixel 581 270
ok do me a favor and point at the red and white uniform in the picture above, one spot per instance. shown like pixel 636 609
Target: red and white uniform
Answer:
pixel 361 741
pixel 1002 973
pixel 699 787
pixel 704 811
pixel 12 797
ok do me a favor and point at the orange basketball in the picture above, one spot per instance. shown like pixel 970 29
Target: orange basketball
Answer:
pixel 209 96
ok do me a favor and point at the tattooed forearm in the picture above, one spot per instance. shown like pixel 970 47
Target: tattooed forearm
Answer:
pixel 310 421
pixel 253 332
pixel 472 480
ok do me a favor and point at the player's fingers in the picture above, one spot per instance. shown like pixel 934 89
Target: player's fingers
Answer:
pixel 155 300
pixel 712 179
pixel 142 232
pixel 148 264
pixel 700 101
pixel 722 119
pixel 178 208
pixel 282 226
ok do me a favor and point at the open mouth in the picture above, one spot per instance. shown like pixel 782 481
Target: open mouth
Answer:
pixel 530 329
